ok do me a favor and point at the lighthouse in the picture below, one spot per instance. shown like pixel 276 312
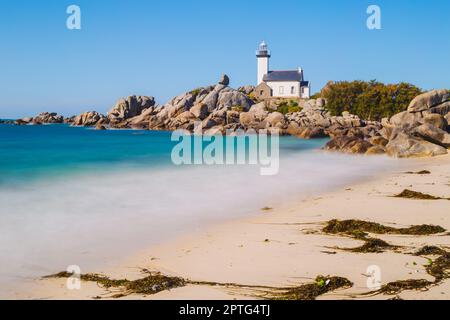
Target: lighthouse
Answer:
pixel 278 84
pixel 262 55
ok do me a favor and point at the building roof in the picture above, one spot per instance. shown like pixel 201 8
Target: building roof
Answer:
pixel 290 75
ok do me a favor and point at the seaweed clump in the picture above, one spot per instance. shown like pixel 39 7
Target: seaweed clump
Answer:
pixel 419 172
pixel 372 245
pixel 409 194
pixel 310 291
pixel 358 228
pixel 151 284
pixel 396 287
pixel 430 251
pixel 440 267
pixel 156 282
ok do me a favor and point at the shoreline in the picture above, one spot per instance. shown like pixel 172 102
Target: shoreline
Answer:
pixel 281 247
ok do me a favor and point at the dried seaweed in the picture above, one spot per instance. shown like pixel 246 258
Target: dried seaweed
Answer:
pixel 419 172
pixel 372 245
pixel 156 282
pixel 430 251
pixel 151 284
pixel 409 194
pixel 440 267
pixel 309 291
pixel 359 228
pixel 397 287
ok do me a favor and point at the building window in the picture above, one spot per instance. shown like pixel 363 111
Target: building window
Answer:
pixel 281 90
pixel 292 90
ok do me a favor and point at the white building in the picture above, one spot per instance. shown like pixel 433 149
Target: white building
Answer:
pixel 279 84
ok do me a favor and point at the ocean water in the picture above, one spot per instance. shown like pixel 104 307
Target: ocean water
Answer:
pixel 76 196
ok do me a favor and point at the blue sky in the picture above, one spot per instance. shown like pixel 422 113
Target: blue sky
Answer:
pixel 163 48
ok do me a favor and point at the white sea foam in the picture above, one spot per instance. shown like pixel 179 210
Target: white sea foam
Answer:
pixel 93 219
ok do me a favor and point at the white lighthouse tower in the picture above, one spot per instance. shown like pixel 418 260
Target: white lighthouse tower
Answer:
pixel 262 55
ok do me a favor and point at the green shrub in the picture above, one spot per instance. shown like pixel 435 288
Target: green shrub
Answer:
pixel 195 92
pixel 285 107
pixel 369 100
pixel 252 96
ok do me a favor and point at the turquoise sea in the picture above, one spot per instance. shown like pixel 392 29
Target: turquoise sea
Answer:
pixel 77 196
pixel 30 153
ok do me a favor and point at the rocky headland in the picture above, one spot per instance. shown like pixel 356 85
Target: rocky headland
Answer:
pixel 421 130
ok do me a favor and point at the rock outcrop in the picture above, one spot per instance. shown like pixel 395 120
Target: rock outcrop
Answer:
pixel 421 130
pixel 88 119
pixel 404 145
pixel 48 118
pixel 215 106
pixel 224 80
pixel 20 122
pixel 247 90
pixel 433 101
pixel 128 108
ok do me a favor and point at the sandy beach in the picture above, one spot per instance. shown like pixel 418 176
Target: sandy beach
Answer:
pixel 284 246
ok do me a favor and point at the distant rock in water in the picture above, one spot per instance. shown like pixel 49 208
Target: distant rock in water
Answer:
pixel 69 120
pixel 21 122
pixel 88 119
pixel 100 126
pixel 47 118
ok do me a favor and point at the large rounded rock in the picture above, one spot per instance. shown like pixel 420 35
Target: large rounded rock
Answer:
pixel 406 119
pixel 200 111
pixel 275 119
pixel 403 145
pixel 360 146
pixel 142 121
pixel 130 107
pixel 87 119
pixel 232 116
pixel 229 98
pixel 441 109
pixel 247 119
pixel 435 120
pixel 320 102
pixel 379 141
pixel 306 132
pixel 428 100
pixel 348 145
pixel 447 117
pixel 432 134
